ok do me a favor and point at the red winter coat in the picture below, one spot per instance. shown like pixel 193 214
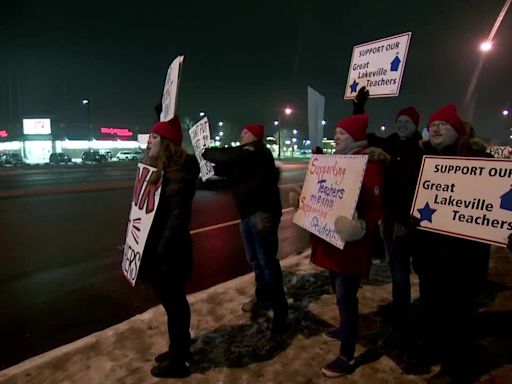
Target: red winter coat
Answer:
pixel 355 258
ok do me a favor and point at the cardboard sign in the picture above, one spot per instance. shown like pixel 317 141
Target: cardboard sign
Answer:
pixel 331 188
pixel 469 198
pixel 378 66
pixel 200 137
pixel 144 203
pixel 171 89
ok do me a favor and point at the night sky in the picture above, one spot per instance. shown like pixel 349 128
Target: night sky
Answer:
pixel 244 60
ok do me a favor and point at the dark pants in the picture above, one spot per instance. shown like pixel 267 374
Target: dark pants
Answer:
pixel 170 290
pixel 400 267
pixel 259 233
pixel 448 284
pixel 346 288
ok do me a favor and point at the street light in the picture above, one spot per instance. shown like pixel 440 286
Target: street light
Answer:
pixel 221 123
pixel 505 112
pixel 85 102
pixel 287 111
pixel 201 114
pixel 486 46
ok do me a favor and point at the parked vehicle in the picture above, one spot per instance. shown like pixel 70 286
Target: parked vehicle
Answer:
pixel 93 157
pixel 60 158
pixel 129 155
pixel 107 153
pixel 11 159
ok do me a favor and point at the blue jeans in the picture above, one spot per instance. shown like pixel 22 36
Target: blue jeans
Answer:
pixel 400 267
pixel 259 232
pixel 346 288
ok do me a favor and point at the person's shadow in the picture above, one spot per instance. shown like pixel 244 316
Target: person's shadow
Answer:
pixel 492 332
pixel 241 345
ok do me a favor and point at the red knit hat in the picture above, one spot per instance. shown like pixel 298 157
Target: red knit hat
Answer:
pixel 411 113
pixel 257 130
pixel 169 129
pixel 449 115
pixel 355 126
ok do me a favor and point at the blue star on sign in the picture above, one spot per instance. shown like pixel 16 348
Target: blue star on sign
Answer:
pixel 426 213
pixel 353 87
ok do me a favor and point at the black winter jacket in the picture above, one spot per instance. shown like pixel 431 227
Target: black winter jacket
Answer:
pixel 168 248
pixel 252 170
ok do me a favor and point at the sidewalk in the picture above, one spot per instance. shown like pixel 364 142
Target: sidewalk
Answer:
pixel 232 349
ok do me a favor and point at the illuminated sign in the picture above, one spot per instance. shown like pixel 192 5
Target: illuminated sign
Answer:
pixel 117 132
pixel 4 134
pixel 37 126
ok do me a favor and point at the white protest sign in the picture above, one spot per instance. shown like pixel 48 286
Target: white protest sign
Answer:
pixel 200 137
pixel 331 188
pixel 379 66
pixel 171 89
pixel 144 202
pixel 503 152
pixel 469 198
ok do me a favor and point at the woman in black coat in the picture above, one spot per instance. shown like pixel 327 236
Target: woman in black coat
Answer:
pixel 167 258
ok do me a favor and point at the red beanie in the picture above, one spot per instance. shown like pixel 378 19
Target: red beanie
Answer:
pixel 257 130
pixel 169 129
pixel 411 113
pixel 355 126
pixel 449 115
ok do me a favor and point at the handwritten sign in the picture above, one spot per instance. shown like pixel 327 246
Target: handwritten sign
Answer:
pixel 200 137
pixel 144 203
pixel 331 188
pixel 378 66
pixel 171 89
pixel 469 198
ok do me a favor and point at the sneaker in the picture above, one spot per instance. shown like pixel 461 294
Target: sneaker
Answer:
pixel 338 367
pixel 170 369
pixel 333 334
pixel 255 306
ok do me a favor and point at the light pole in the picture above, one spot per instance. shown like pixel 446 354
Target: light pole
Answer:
pixel 287 111
pixel 86 103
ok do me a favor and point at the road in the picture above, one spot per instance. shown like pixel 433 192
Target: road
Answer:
pixel 62 232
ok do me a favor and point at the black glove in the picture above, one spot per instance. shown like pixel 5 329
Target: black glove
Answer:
pixel 158 110
pixel 360 100
pixel 411 223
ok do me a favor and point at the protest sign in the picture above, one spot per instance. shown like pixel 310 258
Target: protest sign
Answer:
pixel 331 188
pixel 170 94
pixel 200 137
pixel 144 203
pixel 379 66
pixel 469 198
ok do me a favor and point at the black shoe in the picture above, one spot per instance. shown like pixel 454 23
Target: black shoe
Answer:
pixel 170 369
pixel 163 357
pixel 279 323
pixel 167 356
pixel 254 306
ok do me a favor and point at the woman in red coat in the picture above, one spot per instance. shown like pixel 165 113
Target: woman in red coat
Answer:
pixel 349 265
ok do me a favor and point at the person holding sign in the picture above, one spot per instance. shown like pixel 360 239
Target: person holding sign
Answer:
pixel 449 268
pixel 251 167
pixel 400 177
pixel 167 258
pixel 349 265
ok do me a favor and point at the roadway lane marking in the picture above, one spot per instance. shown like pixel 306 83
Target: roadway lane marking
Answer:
pixel 224 224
